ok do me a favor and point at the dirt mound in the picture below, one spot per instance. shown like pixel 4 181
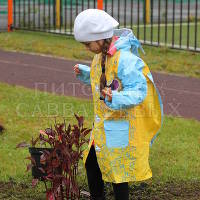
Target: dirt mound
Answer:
pixel 167 191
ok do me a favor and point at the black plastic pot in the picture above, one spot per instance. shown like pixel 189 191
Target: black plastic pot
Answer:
pixel 35 154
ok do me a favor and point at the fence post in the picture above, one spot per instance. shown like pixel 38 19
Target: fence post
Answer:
pixel 10 15
pixel 147 11
pixel 100 4
pixel 57 13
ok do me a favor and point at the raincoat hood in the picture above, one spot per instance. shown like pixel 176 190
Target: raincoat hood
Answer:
pixel 126 40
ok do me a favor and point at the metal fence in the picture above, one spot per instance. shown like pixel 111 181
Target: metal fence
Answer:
pixel 172 23
pixel 3 15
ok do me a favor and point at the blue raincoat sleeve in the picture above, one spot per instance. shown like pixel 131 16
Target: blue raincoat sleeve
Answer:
pixel 84 76
pixel 134 85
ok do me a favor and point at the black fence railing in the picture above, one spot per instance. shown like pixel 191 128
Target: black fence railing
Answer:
pixel 3 15
pixel 172 23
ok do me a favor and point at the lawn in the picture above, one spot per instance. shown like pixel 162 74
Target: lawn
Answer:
pixel 174 157
pixel 159 59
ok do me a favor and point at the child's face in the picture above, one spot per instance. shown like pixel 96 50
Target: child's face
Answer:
pixel 95 46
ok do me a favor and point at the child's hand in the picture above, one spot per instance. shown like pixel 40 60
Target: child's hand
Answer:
pixel 76 70
pixel 107 92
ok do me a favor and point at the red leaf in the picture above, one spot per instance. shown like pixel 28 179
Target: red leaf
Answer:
pixel 45 140
pixel 80 120
pixel 77 117
pixel 81 143
pixel 43 133
pixel 55 163
pixel 80 154
pixel 22 145
pixel 34 182
pixel 33 142
pixel 60 138
pixel 42 159
pixel 41 169
pixel 86 132
pixel 29 166
pixel 59 177
pixel 31 159
pixel 50 195
pixel 68 129
pixel 75 188
pixel 47 152
pixel 59 128
pixel 59 190
pixel 66 153
pixel 83 129
pixel 49 170
pixel 66 181
pixel 49 177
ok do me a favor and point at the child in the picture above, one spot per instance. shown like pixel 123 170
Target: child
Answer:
pixel 127 106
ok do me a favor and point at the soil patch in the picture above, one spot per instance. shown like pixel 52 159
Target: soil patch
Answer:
pixel 167 191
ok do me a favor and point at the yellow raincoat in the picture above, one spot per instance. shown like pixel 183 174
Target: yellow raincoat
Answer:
pixel 124 128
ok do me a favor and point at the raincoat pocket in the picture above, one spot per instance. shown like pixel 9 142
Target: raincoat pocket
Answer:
pixel 117 133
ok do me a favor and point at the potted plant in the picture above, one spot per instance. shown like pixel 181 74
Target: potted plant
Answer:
pixel 58 164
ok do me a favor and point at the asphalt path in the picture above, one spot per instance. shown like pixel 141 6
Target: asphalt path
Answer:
pixel 180 95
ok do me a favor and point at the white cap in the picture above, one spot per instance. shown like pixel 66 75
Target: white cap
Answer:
pixel 93 24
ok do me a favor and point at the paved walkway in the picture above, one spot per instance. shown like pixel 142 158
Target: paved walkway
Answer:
pixel 181 95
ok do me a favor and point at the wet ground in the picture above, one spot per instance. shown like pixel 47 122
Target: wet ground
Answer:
pixel 167 191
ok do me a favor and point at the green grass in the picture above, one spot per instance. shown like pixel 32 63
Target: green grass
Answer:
pixel 174 154
pixel 174 157
pixel 159 59
pixel 23 113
